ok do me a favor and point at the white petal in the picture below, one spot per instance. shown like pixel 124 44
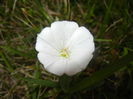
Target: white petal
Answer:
pixel 45 38
pixel 62 31
pixel 81 38
pixel 47 59
pixel 82 47
pixel 79 59
pixel 57 68
pixel 77 63
pixel 42 45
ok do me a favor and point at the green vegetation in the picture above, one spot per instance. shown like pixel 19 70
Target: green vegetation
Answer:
pixel 108 76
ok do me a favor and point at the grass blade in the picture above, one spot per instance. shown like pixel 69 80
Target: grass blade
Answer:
pixel 9 67
pixel 41 82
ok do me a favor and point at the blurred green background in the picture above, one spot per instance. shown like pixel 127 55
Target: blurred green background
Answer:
pixel 108 76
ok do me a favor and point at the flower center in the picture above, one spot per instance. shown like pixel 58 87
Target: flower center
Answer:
pixel 64 53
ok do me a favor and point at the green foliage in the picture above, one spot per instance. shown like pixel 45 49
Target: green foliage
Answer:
pixel 108 76
pixel 40 82
pixel 102 74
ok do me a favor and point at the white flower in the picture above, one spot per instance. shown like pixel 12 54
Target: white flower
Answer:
pixel 65 48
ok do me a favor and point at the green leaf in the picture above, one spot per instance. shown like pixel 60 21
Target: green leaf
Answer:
pixel 17 52
pixel 37 72
pixel 103 40
pixel 7 63
pixel 41 82
pixel 102 74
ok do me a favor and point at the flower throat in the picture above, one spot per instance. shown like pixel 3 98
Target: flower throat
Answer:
pixel 64 53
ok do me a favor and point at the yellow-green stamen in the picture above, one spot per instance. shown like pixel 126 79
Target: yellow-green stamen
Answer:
pixel 64 53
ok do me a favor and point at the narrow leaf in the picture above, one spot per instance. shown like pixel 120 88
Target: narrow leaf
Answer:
pixel 102 74
pixel 41 82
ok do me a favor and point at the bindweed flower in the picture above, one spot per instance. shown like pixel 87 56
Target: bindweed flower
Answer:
pixel 65 48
